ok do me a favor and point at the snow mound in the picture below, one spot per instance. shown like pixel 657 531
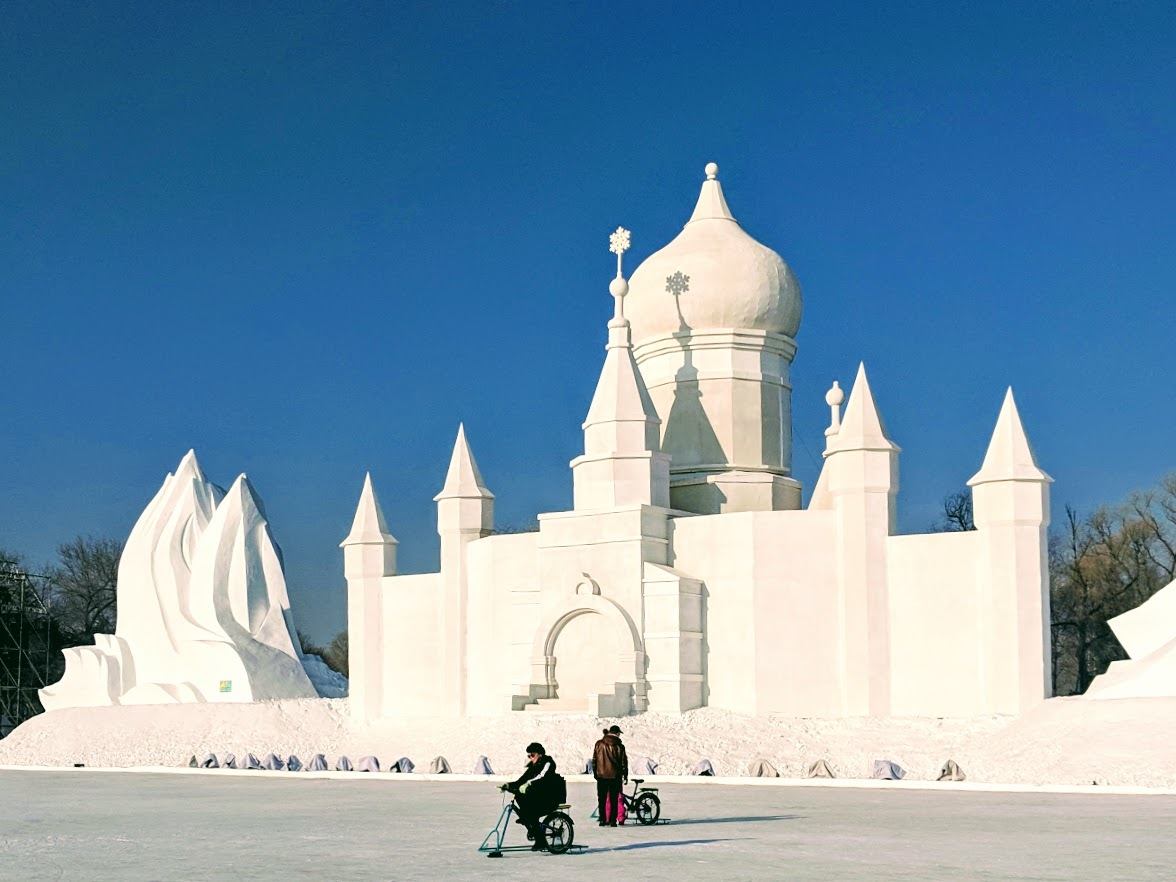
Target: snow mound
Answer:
pixel 1062 741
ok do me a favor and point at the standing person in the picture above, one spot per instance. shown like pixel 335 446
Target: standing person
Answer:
pixel 610 766
pixel 535 792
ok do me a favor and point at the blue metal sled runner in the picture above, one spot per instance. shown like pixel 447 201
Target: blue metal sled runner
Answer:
pixel 558 828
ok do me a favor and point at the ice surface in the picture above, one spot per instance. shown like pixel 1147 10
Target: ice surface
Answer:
pixel 385 827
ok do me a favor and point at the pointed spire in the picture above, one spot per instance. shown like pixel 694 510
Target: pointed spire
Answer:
pixel 861 427
pixel 463 480
pixel 369 526
pixel 1009 456
pixel 711 205
pixel 189 467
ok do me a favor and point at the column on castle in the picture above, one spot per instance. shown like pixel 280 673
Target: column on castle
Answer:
pixel 465 513
pixel 369 555
pixel 1010 501
pixel 862 483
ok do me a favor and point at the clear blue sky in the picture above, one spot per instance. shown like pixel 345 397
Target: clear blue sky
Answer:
pixel 308 240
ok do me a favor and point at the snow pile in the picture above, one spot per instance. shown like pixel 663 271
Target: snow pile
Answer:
pixel 1064 741
pixel 327 683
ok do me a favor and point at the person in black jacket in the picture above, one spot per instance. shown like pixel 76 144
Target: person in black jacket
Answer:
pixel 534 792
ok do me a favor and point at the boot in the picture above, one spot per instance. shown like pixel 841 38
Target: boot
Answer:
pixel 540 841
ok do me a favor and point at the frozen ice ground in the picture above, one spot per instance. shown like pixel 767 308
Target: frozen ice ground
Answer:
pixel 128 827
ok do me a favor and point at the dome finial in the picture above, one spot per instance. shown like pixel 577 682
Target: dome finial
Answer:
pixel 712 171
pixel 618 244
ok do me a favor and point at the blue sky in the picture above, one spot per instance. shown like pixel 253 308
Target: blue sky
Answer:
pixel 307 240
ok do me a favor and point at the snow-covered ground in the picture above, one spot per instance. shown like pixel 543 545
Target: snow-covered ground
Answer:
pixel 130 827
pixel 1064 741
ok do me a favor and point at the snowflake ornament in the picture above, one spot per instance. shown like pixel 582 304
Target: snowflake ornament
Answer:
pixel 678 283
pixel 618 242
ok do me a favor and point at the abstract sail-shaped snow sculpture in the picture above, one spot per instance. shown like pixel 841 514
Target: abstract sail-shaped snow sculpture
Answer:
pixel 1148 633
pixel 203 613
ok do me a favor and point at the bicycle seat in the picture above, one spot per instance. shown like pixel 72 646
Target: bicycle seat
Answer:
pixel 564 806
pixel 638 781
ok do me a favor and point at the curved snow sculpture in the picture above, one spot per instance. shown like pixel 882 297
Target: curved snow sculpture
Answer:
pixel 203 613
pixel 1148 633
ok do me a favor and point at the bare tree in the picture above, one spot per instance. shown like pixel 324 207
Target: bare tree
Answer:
pixel 1101 566
pixel 957 513
pixel 82 585
pixel 337 654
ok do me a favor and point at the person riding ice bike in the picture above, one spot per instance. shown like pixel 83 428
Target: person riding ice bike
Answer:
pixel 536 793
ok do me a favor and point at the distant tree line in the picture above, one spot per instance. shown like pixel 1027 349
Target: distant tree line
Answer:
pixel 1101 564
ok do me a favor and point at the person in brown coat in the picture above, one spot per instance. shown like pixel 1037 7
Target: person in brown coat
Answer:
pixel 610 766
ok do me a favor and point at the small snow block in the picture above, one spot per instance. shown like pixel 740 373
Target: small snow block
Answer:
pixel 951 772
pixel 819 769
pixel 439 766
pixel 210 762
pixel 885 770
pixel 274 763
pixel 343 764
pixel 404 764
pixel 761 768
pixel 589 767
pixel 230 761
pixel 252 762
pixel 642 765
pixel 294 764
pixel 193 763
pixel 367 764
pixel 318 763
pixel 703 767
pixel 482 767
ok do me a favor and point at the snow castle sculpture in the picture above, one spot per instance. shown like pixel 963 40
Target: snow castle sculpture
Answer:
pixel 687 572
pixel 203 613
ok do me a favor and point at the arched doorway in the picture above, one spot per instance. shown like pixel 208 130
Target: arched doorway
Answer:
pixel 585 652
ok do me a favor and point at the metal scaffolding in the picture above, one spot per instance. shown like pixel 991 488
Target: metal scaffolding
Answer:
pixel 29 644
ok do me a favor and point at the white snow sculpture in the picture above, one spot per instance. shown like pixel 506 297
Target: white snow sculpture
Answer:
pixel 343 764
pixel 230 761
pixel 251 762
pixel 1148 633
pixel 369 764
pixel 318 763
pixel 643 765
pixel 203 613
pixel 294 764
pixel 703 767
pixel 404 764
pixel 951 771
pixel 761 768
pixel 819 769
pixel 274 763
pixel 482 766
pixel 439 766
pixel 887 771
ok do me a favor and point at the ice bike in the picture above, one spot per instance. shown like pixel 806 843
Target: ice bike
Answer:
pixel 643 803
pixel 557 825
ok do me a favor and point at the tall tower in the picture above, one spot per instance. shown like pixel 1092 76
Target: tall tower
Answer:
pixel 861 482
pixel 714 319
pixel 1010 502
pixel 465 513
pixel 369 554
pixel 622 463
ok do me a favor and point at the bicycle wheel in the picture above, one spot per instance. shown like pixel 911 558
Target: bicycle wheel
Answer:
pixel 560 831
pixel 647 808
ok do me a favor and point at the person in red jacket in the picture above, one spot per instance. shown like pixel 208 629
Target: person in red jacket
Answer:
pixel 610 766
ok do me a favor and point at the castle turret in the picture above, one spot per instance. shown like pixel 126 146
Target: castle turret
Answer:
pixel 861 480
pixel 369 554
pixel 465 513
pixel 622 463
pixel 1010 502
pixel 715 316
